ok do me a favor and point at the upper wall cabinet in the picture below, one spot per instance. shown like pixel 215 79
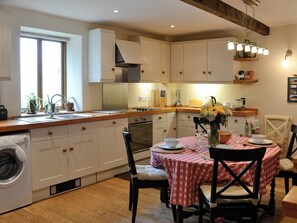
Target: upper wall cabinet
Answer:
pixel 157 53
pixel 101 55
pixel 5 47
pixel 201 61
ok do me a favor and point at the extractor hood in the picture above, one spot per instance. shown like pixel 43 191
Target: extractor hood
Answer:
pixel 129 53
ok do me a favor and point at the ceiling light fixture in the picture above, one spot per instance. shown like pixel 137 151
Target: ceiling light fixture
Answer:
pixel 116 11
pixel 285 62
pixel 172 26
pixel 247 46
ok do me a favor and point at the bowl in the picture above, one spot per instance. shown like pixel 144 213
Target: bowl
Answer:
pixel 171 142
pixel 257 138
pixel 224 136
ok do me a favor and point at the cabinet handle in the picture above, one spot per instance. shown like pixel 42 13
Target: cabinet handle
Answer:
pixel 50 133
pixel 163 72
pixel 113 69
pixel 174 129
pixel 165 130
pixel 209 72
pixel 64 150
pixel 235 120
pixel 114 122
pixel 160 118
pixel 71 148
pixel 83 128
pixel 180 72
pixel 204 72
pixel 189 116
pixel 142 71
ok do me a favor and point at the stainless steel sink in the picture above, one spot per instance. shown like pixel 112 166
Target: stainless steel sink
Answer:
pixel 58 117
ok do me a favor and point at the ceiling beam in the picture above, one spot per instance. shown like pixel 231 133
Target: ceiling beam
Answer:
pixel 225 11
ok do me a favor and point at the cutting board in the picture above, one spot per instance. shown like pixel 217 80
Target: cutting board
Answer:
pixel 155 98
pixel 195 103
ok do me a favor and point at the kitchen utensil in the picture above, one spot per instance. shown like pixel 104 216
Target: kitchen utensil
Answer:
pixel 195 103
pixel 163 100
pixel 177 94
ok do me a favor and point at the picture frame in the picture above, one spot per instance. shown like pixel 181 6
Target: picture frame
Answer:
pixel 292 89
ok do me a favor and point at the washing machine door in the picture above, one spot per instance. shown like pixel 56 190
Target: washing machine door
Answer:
pixel 12 164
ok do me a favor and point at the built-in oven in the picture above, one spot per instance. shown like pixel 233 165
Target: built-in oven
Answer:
pixel 141 129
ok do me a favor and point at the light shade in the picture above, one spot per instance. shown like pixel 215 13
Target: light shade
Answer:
pixel 239 47
pixel 247 48
pixel 254 49
pixel 231 46
pixel 266 52
pixel 260 50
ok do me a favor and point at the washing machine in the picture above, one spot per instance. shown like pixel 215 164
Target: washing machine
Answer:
pixel 15 172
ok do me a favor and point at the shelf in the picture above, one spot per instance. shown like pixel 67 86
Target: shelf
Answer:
pixel 245 81
pixel 246 59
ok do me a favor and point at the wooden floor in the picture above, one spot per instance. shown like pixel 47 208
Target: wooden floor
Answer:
pixel 106 202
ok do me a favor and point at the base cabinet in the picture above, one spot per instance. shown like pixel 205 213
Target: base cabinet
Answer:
pixel 237 124
pixel 112 152
pixel 63 153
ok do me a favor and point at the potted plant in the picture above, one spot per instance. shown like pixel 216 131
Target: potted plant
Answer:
pixel 33 103
pixel 69 104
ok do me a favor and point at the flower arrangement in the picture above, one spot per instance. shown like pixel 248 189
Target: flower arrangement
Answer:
pixel 215 113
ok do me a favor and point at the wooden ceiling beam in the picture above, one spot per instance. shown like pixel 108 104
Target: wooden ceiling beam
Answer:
pixel 225 11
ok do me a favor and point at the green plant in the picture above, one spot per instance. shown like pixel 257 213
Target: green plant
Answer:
pixel 33 103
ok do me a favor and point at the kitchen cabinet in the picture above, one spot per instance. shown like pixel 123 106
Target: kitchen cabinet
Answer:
pixel 5 46
pixel 164 126
pixel 201 61
pixel 237 124
pixel 185 124
pixel 171 125
pixel 101 55
pixel 63 153
pixel 159 128
pixel 157 53
pixel 112 152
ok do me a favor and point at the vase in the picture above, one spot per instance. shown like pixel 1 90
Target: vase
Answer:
pixel 213 135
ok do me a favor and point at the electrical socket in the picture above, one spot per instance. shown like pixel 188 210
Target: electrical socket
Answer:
pixel 142 99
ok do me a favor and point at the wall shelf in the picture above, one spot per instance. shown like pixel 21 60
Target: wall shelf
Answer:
pixel 245 81
pixel 246 59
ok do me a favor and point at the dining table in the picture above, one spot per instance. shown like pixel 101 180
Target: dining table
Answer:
pixel 189 165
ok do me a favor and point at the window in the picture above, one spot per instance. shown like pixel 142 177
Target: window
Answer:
pixel 43 68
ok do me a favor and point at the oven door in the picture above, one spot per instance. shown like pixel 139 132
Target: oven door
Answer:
pixel 142 136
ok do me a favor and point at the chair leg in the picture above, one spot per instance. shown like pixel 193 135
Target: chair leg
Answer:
pixel 134 203
pixel 130 196
pixel 286 185
pixel 173 207
pixel 164 196
pixel 200 209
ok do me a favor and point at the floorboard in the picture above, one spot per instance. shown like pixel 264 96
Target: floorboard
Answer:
pixel 107 202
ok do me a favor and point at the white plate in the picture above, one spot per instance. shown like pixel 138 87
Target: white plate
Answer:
pixel 223 146
pixel 265 142
pixel 164 146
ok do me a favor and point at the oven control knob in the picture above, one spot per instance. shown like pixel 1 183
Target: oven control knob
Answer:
pixel 144 119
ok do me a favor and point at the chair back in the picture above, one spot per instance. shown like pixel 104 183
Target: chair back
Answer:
pixel 277 129
pixel 131 162
pixel 253 157
pixel 197 122
pixel 291 149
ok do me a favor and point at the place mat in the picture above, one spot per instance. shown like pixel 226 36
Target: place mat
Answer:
pixel 273 144
pixel 160 150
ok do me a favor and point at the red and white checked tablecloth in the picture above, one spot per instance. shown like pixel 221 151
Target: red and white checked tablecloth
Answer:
pixel 187 170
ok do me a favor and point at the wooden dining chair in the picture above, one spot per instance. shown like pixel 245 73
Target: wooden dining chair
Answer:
pixel 143 176
pixel 234 198
pixel 276 128
pixel 286 164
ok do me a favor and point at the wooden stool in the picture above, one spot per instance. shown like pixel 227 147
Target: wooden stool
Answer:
pixel 289 204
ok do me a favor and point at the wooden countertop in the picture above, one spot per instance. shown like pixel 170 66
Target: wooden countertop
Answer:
pixel 11 124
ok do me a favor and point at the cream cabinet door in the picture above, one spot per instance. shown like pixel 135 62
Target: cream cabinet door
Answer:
pixel 82 155
pixel 159 128
pixel 49 162
pixel 185 124
pixel 101 55
pixel 112 152
pixel 165 62
pixel 219 61
pixel 195 61
pixel 177 62
pixel 5 46
pixel 171 125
